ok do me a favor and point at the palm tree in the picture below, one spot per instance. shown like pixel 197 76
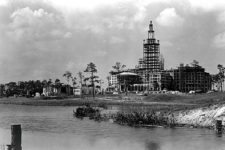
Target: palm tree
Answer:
pixel 49 86
pixel 118 67
pixel 68 76
pixel 58 86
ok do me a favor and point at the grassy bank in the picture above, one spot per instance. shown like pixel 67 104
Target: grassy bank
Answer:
pixel 89 101
pixel 157 102
pixel 163 109
pixel 206 98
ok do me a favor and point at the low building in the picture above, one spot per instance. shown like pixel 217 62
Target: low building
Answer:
pixel 154 81
pixel 127 80
pixel 51 90
pixel 123 81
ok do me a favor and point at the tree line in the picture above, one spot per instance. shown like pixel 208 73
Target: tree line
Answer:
pixel 29 88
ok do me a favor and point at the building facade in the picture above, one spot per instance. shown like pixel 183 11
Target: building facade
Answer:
pixel 151 66
pixel 191 78
pixel 113 79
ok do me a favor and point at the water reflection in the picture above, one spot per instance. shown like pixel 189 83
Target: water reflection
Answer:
pixel 150 145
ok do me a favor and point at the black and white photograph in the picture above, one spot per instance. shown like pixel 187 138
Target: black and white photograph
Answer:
pixel 112 75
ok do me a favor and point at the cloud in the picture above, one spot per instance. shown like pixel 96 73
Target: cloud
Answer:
pixel 35 25
pixel 32 41
pixel 167 43
pixel 3 2
pixel 169 17
pixel 116 40
pixel 42 39
pixel 219 40
pixel 221 17
pixel 207 5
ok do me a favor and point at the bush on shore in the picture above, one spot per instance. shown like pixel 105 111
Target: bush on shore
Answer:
pixel 140 118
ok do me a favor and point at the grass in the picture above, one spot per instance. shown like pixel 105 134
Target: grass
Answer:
pixel 198 99
pixel 138 118
pixel 156 102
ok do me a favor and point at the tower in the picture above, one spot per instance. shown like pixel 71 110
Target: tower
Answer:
pixel 151 52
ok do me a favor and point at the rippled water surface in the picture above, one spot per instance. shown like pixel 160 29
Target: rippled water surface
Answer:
pixel 54 128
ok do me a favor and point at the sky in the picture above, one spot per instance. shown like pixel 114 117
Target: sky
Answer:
pixel 41 39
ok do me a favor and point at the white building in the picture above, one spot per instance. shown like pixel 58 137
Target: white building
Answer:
pixel 113 80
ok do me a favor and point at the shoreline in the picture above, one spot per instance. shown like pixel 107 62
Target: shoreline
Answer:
pixel 184 114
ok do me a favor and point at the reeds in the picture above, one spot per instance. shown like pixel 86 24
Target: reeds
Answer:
pixel 130 118
pixel 143 119
pixel 86 111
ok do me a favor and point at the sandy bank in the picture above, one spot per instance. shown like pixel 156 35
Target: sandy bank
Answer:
pixel 201 117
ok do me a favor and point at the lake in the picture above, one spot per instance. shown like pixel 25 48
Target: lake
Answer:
pixel 55 128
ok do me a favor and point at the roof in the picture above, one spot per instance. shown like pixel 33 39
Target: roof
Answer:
pixel 128 74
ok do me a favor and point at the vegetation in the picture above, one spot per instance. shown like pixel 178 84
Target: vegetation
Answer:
pixel 108 80
pixel 91 68
pixel 68 76
pixel 86 111
pixel 218 78
pixel 133 118
pixel 74 82
pixel 188 99
pixel 81 78
pixel 139 118
pixel 118 68
pixel 24 88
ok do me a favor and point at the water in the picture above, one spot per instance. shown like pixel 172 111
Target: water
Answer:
pixel 54 128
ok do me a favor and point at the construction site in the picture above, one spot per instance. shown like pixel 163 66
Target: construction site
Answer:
pixel 150 75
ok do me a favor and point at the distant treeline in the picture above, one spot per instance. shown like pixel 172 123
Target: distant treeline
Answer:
pixel 28 88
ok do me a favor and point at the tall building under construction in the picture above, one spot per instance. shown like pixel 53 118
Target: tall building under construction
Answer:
pixel 153 77
pixel 151 52
pixel 151 66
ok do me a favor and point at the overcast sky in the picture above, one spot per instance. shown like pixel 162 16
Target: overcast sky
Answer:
pixel 41 39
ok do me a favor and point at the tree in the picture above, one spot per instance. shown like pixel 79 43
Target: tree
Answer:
pixel 155 85
pixel 58 85
pixel 117 68
pixel 85 81
pixel 57 82
pixel 81 78
pixel 195 63
pixel 74 82
pixel 91 68
pixel 30 88
pixel 68 76
pixel 101 82
pixel 220 75
pixel 44 83
pixel 38 86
